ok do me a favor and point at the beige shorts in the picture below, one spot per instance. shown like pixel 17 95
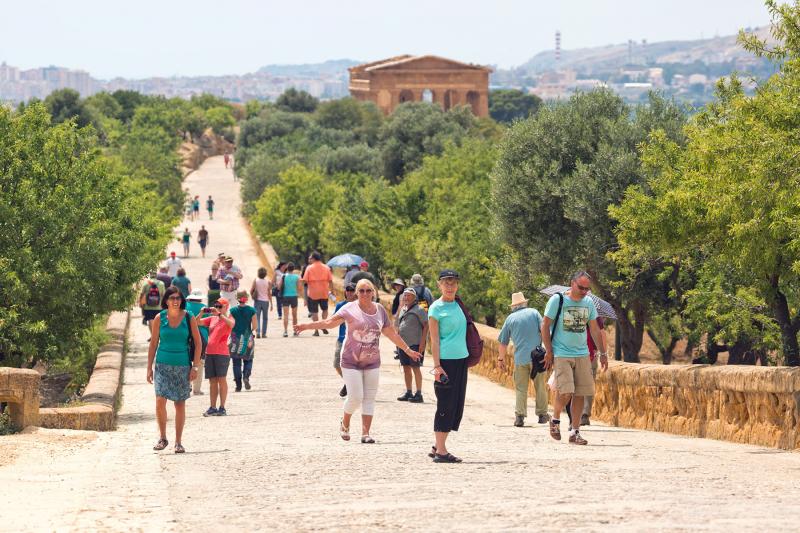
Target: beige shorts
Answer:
pixel 574 376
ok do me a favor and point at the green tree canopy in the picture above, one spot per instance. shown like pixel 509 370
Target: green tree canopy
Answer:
pixel 66 104
pixel 296 101
pixel 507 105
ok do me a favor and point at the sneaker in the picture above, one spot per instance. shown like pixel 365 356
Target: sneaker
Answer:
pixel 576 438
pixel 417 398
pixel 212 411
pixel 585 420
pixel 405 397
pixel 316 333
pixel 221 412
pixel 555 429
pixel 325 331
pixel 258 335
pixel 295 334
pixel 247 383
pixel 343 392
pixel 238 388
pixel 519 421
pixel 543 419
pixel 285 334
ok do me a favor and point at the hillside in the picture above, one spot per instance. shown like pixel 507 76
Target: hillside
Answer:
pixel 331 68
pixel 590 61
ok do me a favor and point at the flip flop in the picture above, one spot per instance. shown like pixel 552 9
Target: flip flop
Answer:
pixel 161 444
pixel 366 439
pixel 179 448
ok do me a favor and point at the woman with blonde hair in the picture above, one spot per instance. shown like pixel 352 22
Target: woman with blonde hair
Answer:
pixel 361 355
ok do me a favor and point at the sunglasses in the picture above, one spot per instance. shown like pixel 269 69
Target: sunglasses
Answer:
pixel 218 306
pixel 364 291
pixel 174 298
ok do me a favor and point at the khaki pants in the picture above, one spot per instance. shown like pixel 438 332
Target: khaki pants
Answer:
pixel 522 375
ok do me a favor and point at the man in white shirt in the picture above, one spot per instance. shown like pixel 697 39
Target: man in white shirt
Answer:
pixel 173 264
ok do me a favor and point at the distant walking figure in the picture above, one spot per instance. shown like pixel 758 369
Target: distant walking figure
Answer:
pixel 196 207
pixel 202 239
pixel 227 159
pixel 262 293
pixel 210 207
pixel 185 239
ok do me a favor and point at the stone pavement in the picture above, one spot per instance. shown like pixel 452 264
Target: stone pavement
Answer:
pixel 276 461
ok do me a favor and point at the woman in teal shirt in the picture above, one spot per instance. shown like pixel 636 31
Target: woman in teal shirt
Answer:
pixel 183 283
pixel 289 293
pixel 448 327
pixel 169 349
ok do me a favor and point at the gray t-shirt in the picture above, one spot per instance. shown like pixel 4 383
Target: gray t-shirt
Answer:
pixel 410 323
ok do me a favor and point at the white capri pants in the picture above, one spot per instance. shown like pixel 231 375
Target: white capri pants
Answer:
pixel 362 387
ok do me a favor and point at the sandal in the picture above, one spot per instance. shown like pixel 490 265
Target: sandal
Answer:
pixel 432 453
pixel 343 431
pixel 161 444
pixel 366 439
pixel 179 448
pixel 447 458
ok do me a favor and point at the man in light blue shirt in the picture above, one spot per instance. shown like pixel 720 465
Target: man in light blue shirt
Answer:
pixel 567 351
pixel 522 327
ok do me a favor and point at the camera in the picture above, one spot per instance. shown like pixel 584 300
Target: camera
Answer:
pixel 206 310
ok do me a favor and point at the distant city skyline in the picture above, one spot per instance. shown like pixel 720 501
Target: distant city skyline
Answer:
pixel 180 38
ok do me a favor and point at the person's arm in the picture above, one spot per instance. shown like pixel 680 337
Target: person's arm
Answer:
pixel 501 355
pixel 253 292
pixel 599 339
pixel 155 331
pixel 398 341
pixel 435 348
pixel 238 274
pixel 546 342
pixel 328 323
pixel 423 341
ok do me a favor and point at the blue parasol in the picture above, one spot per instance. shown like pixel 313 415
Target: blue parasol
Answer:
pixel 345 260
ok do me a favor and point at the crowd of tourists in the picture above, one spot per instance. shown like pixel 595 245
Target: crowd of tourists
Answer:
pixel 197 333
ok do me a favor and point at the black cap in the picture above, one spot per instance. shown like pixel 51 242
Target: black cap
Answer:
pixel 448 273
pixel 350 287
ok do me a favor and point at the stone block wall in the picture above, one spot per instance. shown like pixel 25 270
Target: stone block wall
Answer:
pixel 19 387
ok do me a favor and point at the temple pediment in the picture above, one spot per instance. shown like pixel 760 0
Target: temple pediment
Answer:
pixel 408 62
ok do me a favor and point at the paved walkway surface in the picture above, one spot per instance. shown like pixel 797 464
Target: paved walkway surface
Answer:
pixel 276 461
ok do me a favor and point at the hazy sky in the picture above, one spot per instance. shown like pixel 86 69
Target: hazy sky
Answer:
pixel 176 37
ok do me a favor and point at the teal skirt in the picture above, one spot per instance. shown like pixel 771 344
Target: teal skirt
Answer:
pixel 172 382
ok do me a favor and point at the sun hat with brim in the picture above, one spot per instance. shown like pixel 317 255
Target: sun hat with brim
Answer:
pixel 399 281
pixel 196 295
pixel 410 291
pixel 448 273
pixel 518 299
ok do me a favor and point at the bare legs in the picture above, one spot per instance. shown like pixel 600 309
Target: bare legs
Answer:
pixel 161 416
pixel 407 371
pixel 219 389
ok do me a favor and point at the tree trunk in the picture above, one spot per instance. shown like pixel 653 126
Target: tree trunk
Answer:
pixel 617 343
pixel 666 351
pixel 631 332
pixel 780 308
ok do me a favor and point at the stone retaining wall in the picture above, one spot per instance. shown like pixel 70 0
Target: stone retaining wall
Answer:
pixel 102 392
pixel 19 387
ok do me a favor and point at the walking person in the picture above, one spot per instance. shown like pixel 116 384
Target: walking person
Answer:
pixel 164 277
pixel 349 296
pixel 210 207
pixel 448 327
pixel 185 240
pixel 228 277
pixel 218 358
pixel 226 158
pixel 398 286
pixel 183 283
pixel 360 356
pixel 589 399
pixel 318 280
pixel 566 320
pixel 202 239
pixel 289 284
pixel 195 305
pixel 523 328
pixel 196 207
pixel 174 366
pixel 261 291
pixel 242 341
pixel 277 287
pixel 412 325
pixel 173 264
pixel 150 298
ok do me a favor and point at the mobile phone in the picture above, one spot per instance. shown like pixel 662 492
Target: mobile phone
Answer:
pixel 443 379
pixel 206 310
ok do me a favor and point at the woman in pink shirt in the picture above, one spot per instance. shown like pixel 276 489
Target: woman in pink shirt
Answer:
pixel 218 357
pixel 361 355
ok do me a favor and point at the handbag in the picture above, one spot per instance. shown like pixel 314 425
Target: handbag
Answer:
pixel 474 340
pixel 538 353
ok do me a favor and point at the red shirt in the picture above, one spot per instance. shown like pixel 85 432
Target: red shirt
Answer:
pixel 219 331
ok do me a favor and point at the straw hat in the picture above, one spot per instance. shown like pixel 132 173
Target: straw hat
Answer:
pixel 517 299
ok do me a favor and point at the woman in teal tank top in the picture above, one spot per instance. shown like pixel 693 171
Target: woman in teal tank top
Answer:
pixel 172 373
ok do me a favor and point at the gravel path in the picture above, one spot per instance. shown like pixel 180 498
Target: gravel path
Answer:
pixel 276 461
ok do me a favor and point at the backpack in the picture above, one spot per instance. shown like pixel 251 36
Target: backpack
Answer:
pixel 474 340
pixel 421 301
pixel 153 296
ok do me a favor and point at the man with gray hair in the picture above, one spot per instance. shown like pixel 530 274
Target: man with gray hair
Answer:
pixel 523 328
pixel 424 296
pixel 412 325
pixel 571 314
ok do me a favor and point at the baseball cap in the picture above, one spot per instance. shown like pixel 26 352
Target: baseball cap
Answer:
pixel 363 264
pixel 223 301
pixel 173 254
pixel 448 273
pixel 350 287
